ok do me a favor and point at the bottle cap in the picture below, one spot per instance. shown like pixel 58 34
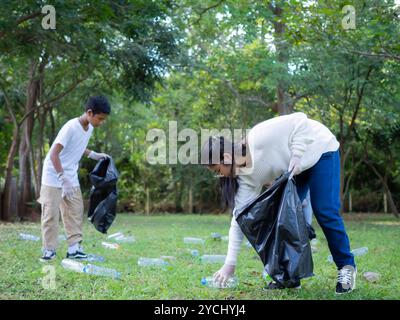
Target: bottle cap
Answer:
pixel 203 281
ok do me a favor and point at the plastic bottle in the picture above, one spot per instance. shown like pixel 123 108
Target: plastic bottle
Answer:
pixel 213 258
pixel 101 271
pixel 110 245
pixel 194 252
pixel 152 262
pixel 356 252
pixel 94 258
pixel 125 239
pixel 216 236
pixel 73 265
pixel 167 257
pixel 193 240
pixel 209 282
pixel 77 266
pixel 266 276
pixel 30 237
pixel 120 237
pixel 360 251
pixel 114 235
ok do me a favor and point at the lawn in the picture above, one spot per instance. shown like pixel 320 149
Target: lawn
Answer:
pixel 21 274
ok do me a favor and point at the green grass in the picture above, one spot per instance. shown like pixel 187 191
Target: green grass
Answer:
pixel 21 272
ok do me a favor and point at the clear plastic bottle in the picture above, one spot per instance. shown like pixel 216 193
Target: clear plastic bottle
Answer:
pixel 213 258
pixel 356 252
pixel 73 265
pixel 94 258
pixel 120 237
pixel 191 240
pixel 209 282
pixel 359 251
pixel 216 236
pixel 110 245
pixel 30 237
pixel 168 258
pixel 114 235
pixel 125 239
pixel 152 262
pixel 101 271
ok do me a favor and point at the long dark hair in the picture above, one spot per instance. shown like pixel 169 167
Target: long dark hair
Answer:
pixel 213 153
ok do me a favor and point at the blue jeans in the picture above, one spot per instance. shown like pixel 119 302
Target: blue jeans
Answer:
pixel 323 181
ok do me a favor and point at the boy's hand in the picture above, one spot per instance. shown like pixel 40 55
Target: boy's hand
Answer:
pixel 97 156
pixel 67 187
pixel 223 274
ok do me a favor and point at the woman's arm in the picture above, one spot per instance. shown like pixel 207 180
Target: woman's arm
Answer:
pixel 244 195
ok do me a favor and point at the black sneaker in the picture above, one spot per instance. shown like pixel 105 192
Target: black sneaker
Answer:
pixel 277 286
pixel 48 256
pixel 346 279
pixel 77 255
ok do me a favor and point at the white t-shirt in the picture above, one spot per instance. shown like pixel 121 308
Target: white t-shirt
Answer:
pixel 74 138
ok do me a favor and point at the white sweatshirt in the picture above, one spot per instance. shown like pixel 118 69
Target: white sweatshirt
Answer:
pixel 271 145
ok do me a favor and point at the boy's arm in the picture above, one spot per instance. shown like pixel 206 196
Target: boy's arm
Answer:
pixel 55 157
pixel 67 188
pixel 87 152
pixel 94 155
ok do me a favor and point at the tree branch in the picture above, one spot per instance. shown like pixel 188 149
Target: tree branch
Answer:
pixel 204 10
pixel 23 19
pixel 378 55
pixel 61 95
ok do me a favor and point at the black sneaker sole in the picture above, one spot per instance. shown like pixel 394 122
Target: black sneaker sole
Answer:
pixel 47 260
pixel 266 288
pixel 78 257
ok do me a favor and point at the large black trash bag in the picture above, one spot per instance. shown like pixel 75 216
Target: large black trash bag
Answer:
pixel 103 194
pixel 275 226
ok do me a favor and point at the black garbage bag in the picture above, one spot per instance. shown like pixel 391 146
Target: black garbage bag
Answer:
pixel 275 226
pixel 103 194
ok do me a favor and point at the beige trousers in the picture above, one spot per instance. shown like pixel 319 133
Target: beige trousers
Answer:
pixel 71 213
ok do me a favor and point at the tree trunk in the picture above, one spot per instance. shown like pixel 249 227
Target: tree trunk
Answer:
pixel 40 153
pixel 391 203
pixel 386 189
pixel 147 201
pixel 283 102
pixel 25 178
pixel 190 198
pixel 8 192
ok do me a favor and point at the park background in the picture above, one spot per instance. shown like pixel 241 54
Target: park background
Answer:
pixel 206 65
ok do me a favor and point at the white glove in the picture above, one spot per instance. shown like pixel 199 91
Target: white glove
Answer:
pixel 223 274
pixel 67 187
pixel 97 156
pixel 295 164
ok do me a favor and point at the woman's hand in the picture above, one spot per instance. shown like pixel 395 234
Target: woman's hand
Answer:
pixel 223 274
pixel 295 165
